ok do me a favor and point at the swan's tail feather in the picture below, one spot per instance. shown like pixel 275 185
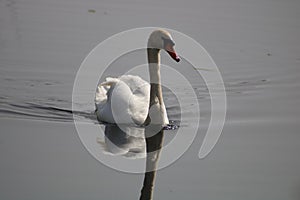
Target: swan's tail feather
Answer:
pixel 102 92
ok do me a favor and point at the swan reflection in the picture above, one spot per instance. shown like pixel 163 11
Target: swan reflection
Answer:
pixel 134 143
pixel 127 141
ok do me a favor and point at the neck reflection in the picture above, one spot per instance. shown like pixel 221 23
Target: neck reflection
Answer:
pixel 134 143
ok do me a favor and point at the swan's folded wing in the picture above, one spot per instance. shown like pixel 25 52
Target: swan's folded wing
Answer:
pixel 102 92
pixel 137 85
pixel 123 100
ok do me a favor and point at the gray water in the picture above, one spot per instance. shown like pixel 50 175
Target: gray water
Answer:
pixel 256 46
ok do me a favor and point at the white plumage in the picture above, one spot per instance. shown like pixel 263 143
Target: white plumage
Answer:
pixel 123 100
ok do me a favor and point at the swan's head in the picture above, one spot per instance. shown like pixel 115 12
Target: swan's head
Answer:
pixel 161 39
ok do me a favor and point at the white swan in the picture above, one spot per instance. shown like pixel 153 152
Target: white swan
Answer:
pixel 130 99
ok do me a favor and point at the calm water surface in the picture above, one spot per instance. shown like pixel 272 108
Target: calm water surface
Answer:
pixel 256 47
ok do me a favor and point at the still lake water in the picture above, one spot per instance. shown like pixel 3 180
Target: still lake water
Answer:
pixel 256 47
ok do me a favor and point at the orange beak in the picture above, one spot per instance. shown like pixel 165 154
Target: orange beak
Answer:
pixel 170 49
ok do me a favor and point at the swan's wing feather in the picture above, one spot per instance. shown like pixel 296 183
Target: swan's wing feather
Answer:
pixel 139 98
pixel 103 90
pixel 128 95
pixel 136 84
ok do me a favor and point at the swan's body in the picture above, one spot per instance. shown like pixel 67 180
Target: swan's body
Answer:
pixel 130 99
pixel 129 96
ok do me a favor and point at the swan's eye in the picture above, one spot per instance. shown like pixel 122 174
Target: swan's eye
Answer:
pixel 167 41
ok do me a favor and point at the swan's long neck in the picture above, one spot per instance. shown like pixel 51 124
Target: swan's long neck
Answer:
pixel 155 81
pixel 153 131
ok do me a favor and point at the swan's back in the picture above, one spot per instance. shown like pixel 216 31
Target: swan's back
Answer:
pixel 123 100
